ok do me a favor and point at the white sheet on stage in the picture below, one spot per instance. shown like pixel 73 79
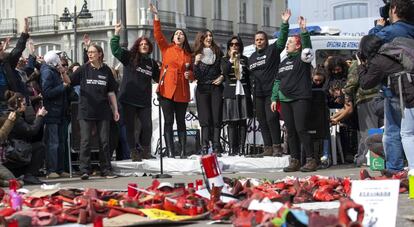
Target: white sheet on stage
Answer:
pixel 228 164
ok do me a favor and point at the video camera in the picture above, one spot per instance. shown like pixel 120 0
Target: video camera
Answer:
pixel 383 10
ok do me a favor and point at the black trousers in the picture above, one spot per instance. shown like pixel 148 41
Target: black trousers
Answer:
pixel 268 121
pixel 38 158
pixel 296 115
pixel 102 128
pixel 132 114
pixel 210 112
pixel 171 109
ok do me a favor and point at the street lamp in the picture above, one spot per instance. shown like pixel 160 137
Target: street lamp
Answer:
pixel 68 17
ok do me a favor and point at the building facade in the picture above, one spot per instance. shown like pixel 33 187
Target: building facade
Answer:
pixel 329 10
pixel 223 17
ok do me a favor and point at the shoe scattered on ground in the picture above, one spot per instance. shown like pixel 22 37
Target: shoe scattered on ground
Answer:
pixel 32 180
pixel 64 175
pixel 52 175
pixel 85 176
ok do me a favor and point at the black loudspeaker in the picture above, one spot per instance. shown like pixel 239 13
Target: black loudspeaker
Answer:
pixel 193 142
pixel 318 121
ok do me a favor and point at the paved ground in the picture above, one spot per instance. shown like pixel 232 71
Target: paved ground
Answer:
pixel 405 205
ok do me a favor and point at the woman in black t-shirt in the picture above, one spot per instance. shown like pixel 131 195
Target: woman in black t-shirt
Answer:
pixel 136 91
pixel 97 85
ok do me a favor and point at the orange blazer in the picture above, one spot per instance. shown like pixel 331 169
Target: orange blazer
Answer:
pixel 172 84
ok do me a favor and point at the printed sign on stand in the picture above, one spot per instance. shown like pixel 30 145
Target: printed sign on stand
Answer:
pixel 380 201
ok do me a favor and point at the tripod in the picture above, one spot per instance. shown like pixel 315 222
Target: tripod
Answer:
pixel 159 147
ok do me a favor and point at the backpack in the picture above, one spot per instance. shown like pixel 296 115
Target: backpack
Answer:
pixel 401 50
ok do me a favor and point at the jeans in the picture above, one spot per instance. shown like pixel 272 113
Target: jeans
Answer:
pixel 407 135
pixel 102 127
pixel 393 148
pixel 55 153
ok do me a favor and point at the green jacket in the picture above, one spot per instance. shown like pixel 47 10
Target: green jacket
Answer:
pixel 276 93
pixel 353 90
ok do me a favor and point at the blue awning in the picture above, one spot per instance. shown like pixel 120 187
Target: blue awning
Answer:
pixel 296 31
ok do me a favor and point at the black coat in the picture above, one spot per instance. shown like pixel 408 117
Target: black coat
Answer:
pixel 230 79
pixel 378 70
pixel 25 131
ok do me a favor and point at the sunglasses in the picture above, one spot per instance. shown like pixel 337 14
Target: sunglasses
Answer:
pixel 234 44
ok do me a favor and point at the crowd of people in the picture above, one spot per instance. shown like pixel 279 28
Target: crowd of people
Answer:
pixel 36 95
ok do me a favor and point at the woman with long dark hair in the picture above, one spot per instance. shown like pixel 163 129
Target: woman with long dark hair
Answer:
pixel 237 106
pixel 209 92
pixel 135 94
pixel 97 105
pixel 174 86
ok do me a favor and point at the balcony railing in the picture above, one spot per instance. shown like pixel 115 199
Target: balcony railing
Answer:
pixel 247 29
pixel 193 22
pixel 43 23
pixel 100 18
pixel 222 26
pixel 270 30
pixel 167 18
pixel 8 26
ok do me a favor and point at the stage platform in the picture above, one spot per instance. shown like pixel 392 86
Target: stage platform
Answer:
pixel 191 165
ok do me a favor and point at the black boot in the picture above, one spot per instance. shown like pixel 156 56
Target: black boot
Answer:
pixel 205 141
pixel 242 137
pixel 232 131
pixel 135 155
pixel 182 138
pixel 169 143
pixel 217 149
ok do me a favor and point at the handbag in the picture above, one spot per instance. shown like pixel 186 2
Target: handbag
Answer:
pixel 18 152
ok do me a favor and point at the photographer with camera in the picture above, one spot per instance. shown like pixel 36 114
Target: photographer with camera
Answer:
pixel 401 20
pixel 375 67
pixel 402 25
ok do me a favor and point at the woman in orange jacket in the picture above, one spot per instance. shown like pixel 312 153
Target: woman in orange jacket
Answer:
pixel 174 87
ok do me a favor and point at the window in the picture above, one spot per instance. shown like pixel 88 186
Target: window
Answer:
pixel 42 49
pixel 95 4
pixel 243 12
pixel 6 9
pixel 266 16
pixel 217 9
pixel 189 6
pixel 350 11
pixel 46 7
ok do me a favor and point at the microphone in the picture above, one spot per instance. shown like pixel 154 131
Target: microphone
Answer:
pixel 187 68
pixel 163 75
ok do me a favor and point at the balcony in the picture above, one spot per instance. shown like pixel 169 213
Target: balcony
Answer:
pixel 222 26
pixel 247 29
pixel 8 26
pixel 44 23
pixel 167 18
pixel 100 18
pixel 270 30
pixel 196 23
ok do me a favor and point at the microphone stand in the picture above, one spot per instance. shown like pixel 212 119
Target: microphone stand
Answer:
pixel 161 175
pixel 254 150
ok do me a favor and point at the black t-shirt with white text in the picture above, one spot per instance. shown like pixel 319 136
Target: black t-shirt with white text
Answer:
pixel 263 65
pixel 95 84
pixel 295 78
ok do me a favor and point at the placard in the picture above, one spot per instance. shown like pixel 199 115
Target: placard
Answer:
pixel 380 201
